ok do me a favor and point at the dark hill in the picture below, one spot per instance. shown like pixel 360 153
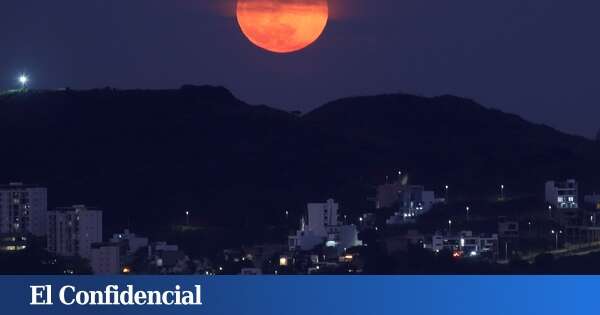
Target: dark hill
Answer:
pixel 450 140
pixel 147 156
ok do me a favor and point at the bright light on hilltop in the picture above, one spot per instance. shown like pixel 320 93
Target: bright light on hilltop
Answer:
pixel 23 79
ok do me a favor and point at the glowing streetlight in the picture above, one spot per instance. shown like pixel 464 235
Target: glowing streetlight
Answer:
pixel 449 227
pixel 187 218
pixel 467 208
pixel 446 192
pixel 23 79
pixel 556 233
pixel 501 192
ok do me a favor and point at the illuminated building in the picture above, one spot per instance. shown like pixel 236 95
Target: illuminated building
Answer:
pixel 562 195
pixel 13 242
pixel 23 209
pixel 73 230
pixel 465 243
pixel 324 227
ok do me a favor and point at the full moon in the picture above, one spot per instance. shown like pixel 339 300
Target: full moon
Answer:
pixel 282 26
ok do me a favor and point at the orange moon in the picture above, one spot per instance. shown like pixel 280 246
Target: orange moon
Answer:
pixel 282 26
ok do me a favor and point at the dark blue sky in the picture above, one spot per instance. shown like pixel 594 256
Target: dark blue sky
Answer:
pixel 536 58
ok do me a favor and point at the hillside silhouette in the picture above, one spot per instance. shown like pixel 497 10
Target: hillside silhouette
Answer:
pixel 147 156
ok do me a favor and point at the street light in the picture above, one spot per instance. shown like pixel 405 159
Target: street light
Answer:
pixel 501 192
pixel 446 193
pixel 187 217
pixel 449 227
pixel 467 212
pixel 556 237
pixel 550 210
pixel 23 79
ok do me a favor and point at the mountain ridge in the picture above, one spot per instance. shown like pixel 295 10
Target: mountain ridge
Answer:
pixel 147 153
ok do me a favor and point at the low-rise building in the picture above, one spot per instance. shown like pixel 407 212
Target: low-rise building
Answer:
pixel 133 241
pixel 105 258
pixel 562 195
pixel 167 259
pixel 466 244
pixel 508 229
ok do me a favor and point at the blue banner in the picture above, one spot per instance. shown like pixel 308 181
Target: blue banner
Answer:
pixel 312 295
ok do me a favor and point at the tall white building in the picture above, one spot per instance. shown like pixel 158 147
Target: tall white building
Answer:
pixel 23 209
pixel 73 230
pixel 562 195
pixel 324 228
pixel 321 216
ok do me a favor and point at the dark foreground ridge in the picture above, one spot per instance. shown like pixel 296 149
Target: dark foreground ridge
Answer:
pixel 147 156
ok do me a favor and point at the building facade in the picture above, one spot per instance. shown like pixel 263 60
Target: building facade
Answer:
pixel 325 228
pixel 73 230
pixel 23 209
pixel 562 195
pixel 321 216
pixel 466 243
pixel 105 258
pixel 387 195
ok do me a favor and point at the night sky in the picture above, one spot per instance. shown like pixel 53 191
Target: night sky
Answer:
pixel 536 58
